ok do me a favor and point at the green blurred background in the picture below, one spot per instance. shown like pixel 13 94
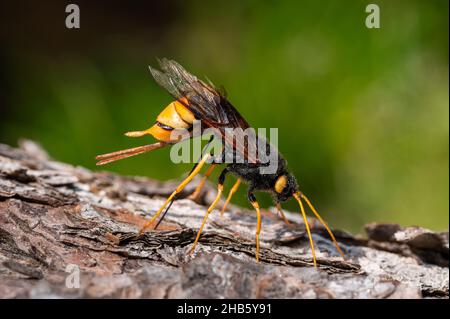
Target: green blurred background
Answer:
pixel 362 113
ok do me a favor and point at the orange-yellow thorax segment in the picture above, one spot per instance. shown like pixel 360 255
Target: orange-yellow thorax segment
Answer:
pixel 174 116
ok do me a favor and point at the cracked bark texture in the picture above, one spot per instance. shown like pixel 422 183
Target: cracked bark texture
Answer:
pixel 54 215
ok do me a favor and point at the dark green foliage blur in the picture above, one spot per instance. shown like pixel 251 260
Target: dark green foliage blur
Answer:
pixel 362 113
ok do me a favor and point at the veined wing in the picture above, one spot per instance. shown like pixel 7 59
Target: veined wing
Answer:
pixel 207 104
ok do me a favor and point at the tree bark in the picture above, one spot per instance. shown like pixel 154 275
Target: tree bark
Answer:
pixel 68 232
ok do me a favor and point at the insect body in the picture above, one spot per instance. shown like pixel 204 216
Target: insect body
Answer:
pixel 196 100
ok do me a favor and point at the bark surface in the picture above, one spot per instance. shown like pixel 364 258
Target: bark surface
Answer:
pixel 68 232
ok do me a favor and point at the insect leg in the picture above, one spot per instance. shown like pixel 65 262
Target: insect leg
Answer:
pixel 252 199
pixel 211 207
pixel 323 223
pixel 232 191
pixel 178 190
pixel 195 194
pixel 280 210
pixel 171 202
pixel 171 198
pixel 311 242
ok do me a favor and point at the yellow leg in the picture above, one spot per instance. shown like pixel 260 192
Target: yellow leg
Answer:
pixel 323 223
pixel 311 242
pixel 280 210
pixel 195 194
pixel 232 191
pixel 258 227
pixel 210 209
pixel 180 187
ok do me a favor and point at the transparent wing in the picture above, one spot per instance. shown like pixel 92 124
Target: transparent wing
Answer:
pixel 207 104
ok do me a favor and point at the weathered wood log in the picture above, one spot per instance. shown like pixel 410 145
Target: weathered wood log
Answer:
pixel 56 219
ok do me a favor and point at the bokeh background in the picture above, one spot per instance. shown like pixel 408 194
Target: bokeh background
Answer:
pixel 362 113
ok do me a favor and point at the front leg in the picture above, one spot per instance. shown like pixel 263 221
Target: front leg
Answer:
pixel 283 216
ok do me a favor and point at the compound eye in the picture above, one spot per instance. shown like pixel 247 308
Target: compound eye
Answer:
pixel 280 184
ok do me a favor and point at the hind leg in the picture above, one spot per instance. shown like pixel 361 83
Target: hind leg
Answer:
pixel 211 207
pixel 198 189
pixel 178 190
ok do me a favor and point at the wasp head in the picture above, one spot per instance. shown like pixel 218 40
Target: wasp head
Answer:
pixel 285 187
